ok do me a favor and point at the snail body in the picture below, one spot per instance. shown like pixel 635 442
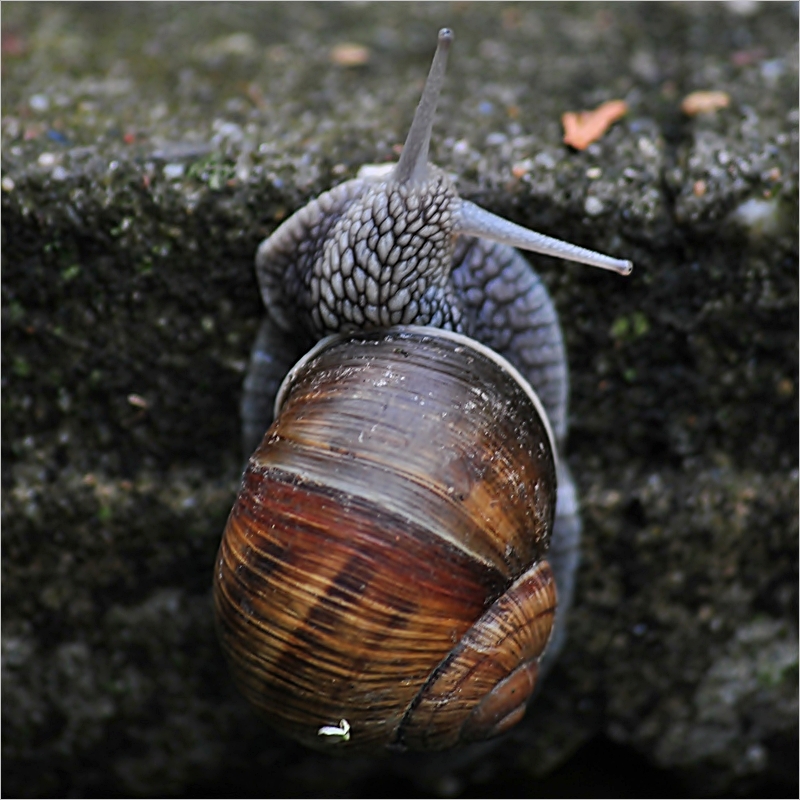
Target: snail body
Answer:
pixel 381 581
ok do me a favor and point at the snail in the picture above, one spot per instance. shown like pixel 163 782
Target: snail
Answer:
pixel 382 581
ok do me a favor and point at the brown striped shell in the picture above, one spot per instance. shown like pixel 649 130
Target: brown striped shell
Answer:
pixel 381 575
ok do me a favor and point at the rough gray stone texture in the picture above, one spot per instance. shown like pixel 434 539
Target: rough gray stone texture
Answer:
pixel 146 151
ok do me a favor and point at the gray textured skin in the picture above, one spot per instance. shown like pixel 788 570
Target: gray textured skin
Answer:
pixel 367 254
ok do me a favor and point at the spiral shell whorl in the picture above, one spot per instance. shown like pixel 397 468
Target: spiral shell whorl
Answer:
pixel 321 614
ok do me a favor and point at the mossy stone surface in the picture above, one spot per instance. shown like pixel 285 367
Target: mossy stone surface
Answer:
pixel 146 151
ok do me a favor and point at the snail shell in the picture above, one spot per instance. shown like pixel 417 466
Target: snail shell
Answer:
pixel 383 563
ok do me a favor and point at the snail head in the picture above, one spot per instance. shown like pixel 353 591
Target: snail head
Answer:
pixel 405 224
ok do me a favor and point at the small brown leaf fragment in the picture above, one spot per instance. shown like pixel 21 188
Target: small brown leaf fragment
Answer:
pixel 350 55
pixel 699 188
pixel 581 128
pixel 704 102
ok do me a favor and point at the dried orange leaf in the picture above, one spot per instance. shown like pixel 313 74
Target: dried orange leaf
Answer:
pixel 581 128
pixel 704 102
pixel 350 55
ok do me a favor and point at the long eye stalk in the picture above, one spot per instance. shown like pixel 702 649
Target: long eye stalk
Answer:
pixel 472 220
pixel 413 163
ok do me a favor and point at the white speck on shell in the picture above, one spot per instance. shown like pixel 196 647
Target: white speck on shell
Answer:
pixel 336 733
